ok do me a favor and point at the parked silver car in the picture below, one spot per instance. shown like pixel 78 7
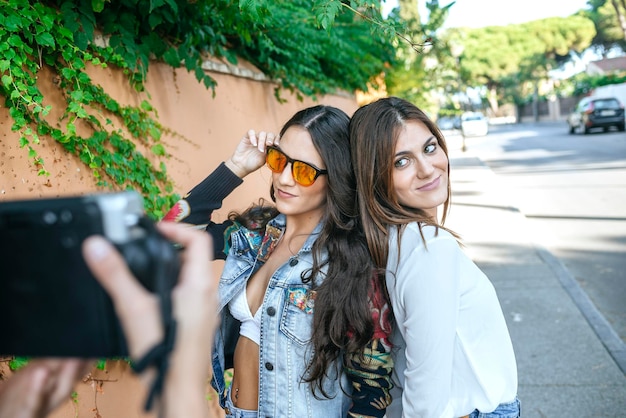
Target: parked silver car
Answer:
pixel 474 124
pixel 596 112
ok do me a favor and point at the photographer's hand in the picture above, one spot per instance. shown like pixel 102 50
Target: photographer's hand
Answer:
pixel 40 387
pixel 194 302
pixel 195 310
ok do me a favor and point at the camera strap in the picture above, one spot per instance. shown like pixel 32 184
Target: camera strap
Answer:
pixel 158 356
pixel 165 273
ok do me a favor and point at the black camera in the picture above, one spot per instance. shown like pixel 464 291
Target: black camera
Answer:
pixel 50 303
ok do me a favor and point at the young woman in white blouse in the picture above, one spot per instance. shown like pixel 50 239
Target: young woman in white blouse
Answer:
pixel 453 353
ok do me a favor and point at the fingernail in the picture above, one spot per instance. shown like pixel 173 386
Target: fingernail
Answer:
pixel 97 248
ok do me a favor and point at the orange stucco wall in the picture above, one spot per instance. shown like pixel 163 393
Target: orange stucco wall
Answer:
pixel 209 129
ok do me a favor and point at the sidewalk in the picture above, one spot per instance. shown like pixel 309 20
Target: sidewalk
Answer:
pixel 564 369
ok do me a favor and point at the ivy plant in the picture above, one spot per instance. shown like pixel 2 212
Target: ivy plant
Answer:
pixel 309 47
pixel 33 35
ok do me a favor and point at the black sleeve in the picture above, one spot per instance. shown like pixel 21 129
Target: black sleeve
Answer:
pixel 198 205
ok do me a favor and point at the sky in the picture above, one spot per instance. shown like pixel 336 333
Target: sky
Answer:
pixel 480 13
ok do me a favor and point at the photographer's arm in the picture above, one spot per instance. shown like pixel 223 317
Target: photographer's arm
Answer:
pixel 194 308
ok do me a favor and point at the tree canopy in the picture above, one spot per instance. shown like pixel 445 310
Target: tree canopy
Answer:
pixel 509 60
pixel 609 18
pixel 417 73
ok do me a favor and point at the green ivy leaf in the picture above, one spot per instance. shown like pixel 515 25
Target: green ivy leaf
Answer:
pixel 155 20
pixel 155 133
pixel 10 54
pixel 97 5
pixel 173 5
pixel 77 95
pixel 68 73
pixel 158 150
pixel 7 80
pixel 45 39
pixel 13 23
pixel 84 78
pixel 82 113
pixel 82 39
pixel 18 362
pixel 16 41
pixel 71 128
pixel 145 105
pixel 171 57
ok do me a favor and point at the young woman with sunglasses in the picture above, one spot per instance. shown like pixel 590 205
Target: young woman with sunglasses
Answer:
pixel 304 324
pixel 452 351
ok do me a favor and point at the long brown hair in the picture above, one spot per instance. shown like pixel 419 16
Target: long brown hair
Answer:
pixel 374 131
pixel 342 319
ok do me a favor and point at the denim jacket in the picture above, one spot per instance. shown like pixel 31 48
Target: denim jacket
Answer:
pixel 286 321
pixel 286 312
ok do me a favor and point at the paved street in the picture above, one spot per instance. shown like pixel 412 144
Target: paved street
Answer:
pixel 573 189
pixel 570 360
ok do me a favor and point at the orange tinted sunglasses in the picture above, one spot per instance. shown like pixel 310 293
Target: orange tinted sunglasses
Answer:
pixel 303 173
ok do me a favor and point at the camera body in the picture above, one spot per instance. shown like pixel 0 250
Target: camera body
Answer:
pixel 50 303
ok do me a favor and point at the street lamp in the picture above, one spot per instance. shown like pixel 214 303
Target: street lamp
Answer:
pixel 456 50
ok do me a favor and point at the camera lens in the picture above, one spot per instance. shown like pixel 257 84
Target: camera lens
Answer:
pixel 66 216
pixel 49 217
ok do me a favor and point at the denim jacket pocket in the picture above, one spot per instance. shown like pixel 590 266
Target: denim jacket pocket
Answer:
pixel 297 318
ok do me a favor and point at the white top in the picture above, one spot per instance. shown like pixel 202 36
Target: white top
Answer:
pixel 452 348
pixel 240 310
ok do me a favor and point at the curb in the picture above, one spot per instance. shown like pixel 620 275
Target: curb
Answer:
pixel 614 345
pixel 601 327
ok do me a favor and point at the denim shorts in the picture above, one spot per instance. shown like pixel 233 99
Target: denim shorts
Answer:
pixel 504 410
pixel 233 412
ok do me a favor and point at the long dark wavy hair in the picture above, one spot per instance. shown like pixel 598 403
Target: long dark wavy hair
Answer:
pixel 374 131
pixel 342 319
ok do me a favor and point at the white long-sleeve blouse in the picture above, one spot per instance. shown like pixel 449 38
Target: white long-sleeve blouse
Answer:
pixel 452 349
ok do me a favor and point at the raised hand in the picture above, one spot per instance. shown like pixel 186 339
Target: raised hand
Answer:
pixel 249 155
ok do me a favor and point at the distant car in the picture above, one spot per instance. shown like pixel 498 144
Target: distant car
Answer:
pixel 474 124
pixel 596 112
pixel 445 123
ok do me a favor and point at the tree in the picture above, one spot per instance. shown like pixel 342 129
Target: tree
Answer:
pixel 609 19
pixel 418 72
pixel 511 60
pixel 620 11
